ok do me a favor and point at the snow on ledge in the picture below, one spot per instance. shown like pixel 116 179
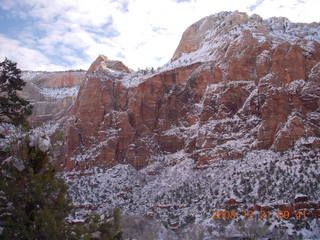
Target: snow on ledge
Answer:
pixel 60 92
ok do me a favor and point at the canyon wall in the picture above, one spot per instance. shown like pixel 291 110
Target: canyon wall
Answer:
pixel 51 93
pixel 236 83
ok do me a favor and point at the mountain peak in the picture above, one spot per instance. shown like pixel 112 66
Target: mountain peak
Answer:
pixel 204 40
pixel 104 63
pixel 194 35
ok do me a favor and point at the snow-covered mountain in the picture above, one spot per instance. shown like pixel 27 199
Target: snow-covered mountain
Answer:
pixel 232 122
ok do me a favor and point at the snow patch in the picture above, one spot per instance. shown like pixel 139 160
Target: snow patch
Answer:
pixel 60 92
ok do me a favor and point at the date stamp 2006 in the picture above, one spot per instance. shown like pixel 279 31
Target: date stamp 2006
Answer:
pixel 262 214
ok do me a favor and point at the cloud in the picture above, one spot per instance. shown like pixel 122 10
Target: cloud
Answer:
pixel 25 57
pixel 142 33
pixel 294 10
pixel 255 5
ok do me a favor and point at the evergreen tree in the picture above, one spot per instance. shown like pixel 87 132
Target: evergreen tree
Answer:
pixel 13 109
pixel 33 203
pixel 108 228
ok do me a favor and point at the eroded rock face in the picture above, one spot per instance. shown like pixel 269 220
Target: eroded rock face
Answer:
pixel 194 35
pixel 236 83
pixel 51 93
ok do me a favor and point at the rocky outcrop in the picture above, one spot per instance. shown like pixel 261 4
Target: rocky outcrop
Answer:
pixel 235 83
pixel 197 33
pixel 103 63
pixel 51 93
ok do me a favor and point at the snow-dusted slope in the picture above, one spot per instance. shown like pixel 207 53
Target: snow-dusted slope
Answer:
pixel 210 38
pixel 180 193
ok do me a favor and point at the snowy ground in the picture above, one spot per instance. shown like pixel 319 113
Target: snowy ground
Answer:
pixel 179 193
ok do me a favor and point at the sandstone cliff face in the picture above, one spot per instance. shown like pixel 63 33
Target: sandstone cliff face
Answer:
pixel 51 93
pixel 235 83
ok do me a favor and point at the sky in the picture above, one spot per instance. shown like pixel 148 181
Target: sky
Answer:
pixel 54 35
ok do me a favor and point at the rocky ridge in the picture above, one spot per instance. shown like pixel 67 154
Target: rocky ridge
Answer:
pixel 235 84
pixel 233 117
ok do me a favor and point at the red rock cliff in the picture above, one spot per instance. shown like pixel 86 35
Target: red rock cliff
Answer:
pixel 235 83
